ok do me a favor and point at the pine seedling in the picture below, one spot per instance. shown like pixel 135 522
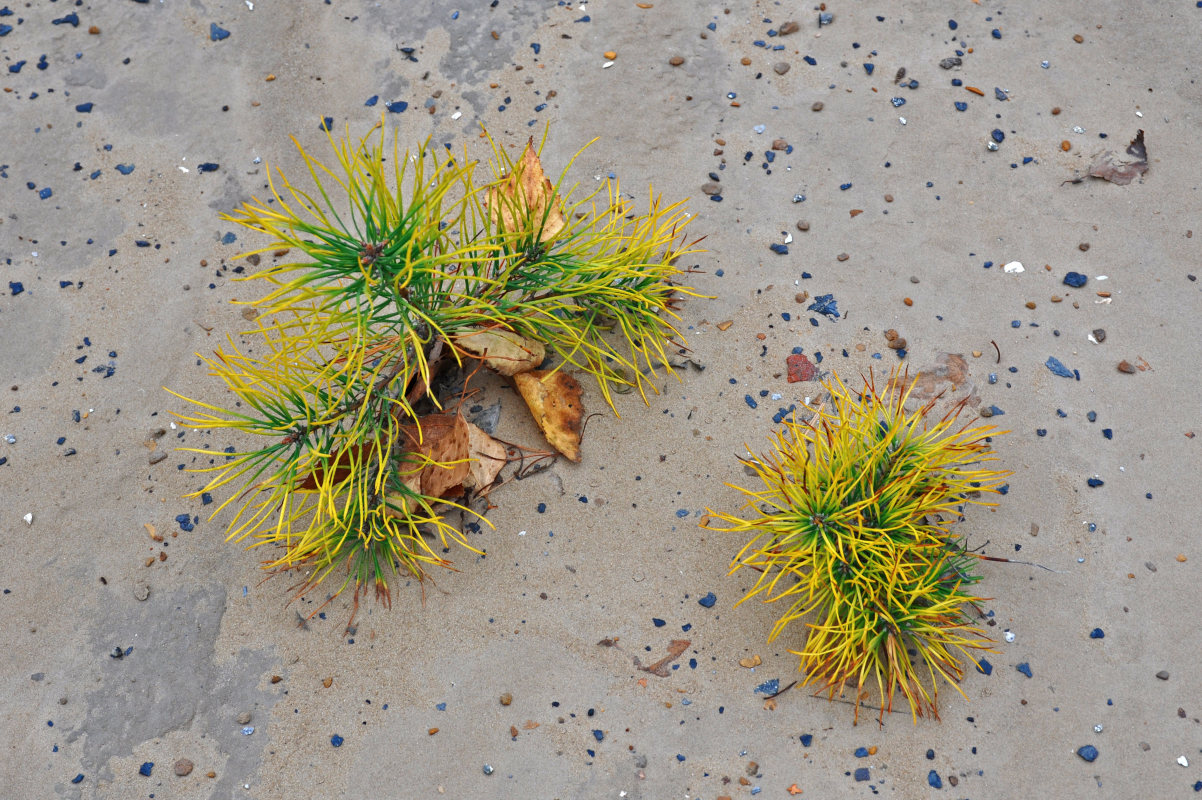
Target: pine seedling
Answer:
pixel 853 532
pixel 400 265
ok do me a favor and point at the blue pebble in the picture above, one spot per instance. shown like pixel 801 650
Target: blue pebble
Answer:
pixel 599 735
pixel 898 102
pixel 826 305
pixel 679 757
pixel 326 124
pixel 1058 368
pixel 207 166
pixel 952 24
pixel 1095 482
pixel 205 498
pixel 997 135
pixel 997 34
pixel 1097 633
pixel 396 106
pixel 229 238
pixel 984 667
pixel 930 754
pixel 861 752
pixel 78 778
pixel 45 193
pixel 1088 752
pixel 779 249
pixel 371 101
pixel 708 601
pixel 869 67
pixel 843 187
pixel 934 780
pixel 862 774
pixel 536 47
pixel 961 106
pixel 1075 280
pixel 542 508
pixel 750 401
pixel 16 287
pixel 657 622
pixel 957 82
pixel 217 33
pixel 1108 433
pixel 807 739
pixel 17 66
pixel 71 19
pixel 5 30
pixel 1025 669
pixel 125 169
pixel 681 513
pixel 146 767
pixel 336 740
pixel 1015 323
pixel 810 60
pixel 768 687
pixel 84 108
pixel 441 706
pixel 1000 94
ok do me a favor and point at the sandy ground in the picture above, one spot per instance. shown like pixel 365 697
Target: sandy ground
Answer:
pixel 618 544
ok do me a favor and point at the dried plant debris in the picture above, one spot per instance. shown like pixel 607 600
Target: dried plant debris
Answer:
pixel 1109 166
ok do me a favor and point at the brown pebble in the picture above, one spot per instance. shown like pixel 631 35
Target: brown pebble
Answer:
pixel 817 106
pixel 953 780
pixel 327 682
pixel 976 353
pixel 276 679
pixel 610 55
pixel 1030 304
pixel 725 324
pixel 720 142
pixel 1034 529
pixel 842 257
pixel 801 297
pixel 1181 712
pixel 780 67
pixel 779 144
pixel 94 30
pixel 985 411
pixel 788 27
pixel 888 198
pixel 210 774
pixel 1099 334
pixel 183 767
pixel 1126 366
pixel 1145 746
pixel 1078 38
pixel 860 348
pixel 1181 559
pixel 908 301
pixel 157 457
pixel 890 335
pixel 753 768
pixel 855 212
pixel 431 731
pixel 1056 111
pixel 1056 298
pixel 897 344
pixel 1066 145
pixel 1083 247
pixel 1163 674
pixel 745 61
pixel 913 279
pixel 506 699
pixel 676 61
pixel 803 225
pixel 244 718
pixel 711 188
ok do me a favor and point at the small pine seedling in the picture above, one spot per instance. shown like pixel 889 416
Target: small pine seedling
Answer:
pixel 853 530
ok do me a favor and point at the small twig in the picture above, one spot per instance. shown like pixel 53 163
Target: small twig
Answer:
pixel 998 349
pixel 782 691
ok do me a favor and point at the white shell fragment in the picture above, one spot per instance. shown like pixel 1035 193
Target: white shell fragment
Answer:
pixel 28 518
pixel 1013 267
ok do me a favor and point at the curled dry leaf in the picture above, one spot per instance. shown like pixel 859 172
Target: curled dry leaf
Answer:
pixel 525 199
pixel 442 441
pixel 660 668
pixel 1109 166
pixel 554 399
pixel 502 351
pixel 488 457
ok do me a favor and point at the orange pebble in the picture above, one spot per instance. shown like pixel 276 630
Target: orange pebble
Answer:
pixel 610 54
pixel 975 90
pixel 908 301
pixel 1066 145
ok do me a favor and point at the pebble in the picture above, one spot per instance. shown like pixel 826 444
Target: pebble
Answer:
pixel 1126 366
pixel 1099 335
pixel 1083 247
pixel 780 67
pixel 183 767
pixel 506 699
pixel 803 225
pixel 817 106
pixel 711 188
pixel 244 718
pixel 488 769
pixel 141 591
pixel 1163 674
pixel 1088 752
pixel 842 257
pixel 676 61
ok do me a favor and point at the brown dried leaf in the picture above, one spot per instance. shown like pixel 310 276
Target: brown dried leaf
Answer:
pixel 660 668
pixel 503 351
pixel 530 725
pixel 1109 167
pixel 488 458
pixel 444 440
pixel 554 399
pixel 525 199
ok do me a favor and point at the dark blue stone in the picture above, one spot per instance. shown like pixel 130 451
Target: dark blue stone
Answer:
pixel 779 248
pixel 217 33
pixel 146 767
pixel 1058 368
pixel 1025 669
pixel 1097 633
pixel 396 106
pixel 336 740
pixel 997 135
pixel 1075 280
pixel 1088 752
pixel 207 166
pixel 951 23
pixel 869 67
pixel 1095 482
pixel 371 101
pixel 934 780
pixel 862 774
pixel 861 752
pixel 657 622
pixel 984 667
pixel 84 108
pixel 807 739
pixel 125 169
pixel 709 600
pixel 599 735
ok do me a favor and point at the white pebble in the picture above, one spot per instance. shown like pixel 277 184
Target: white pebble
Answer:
pixel 1013 267
pixel 28 519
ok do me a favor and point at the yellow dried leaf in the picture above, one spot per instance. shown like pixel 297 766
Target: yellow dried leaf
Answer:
pixel 503 351
pixel 525 199
pixel 488 457
pixel 555 401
